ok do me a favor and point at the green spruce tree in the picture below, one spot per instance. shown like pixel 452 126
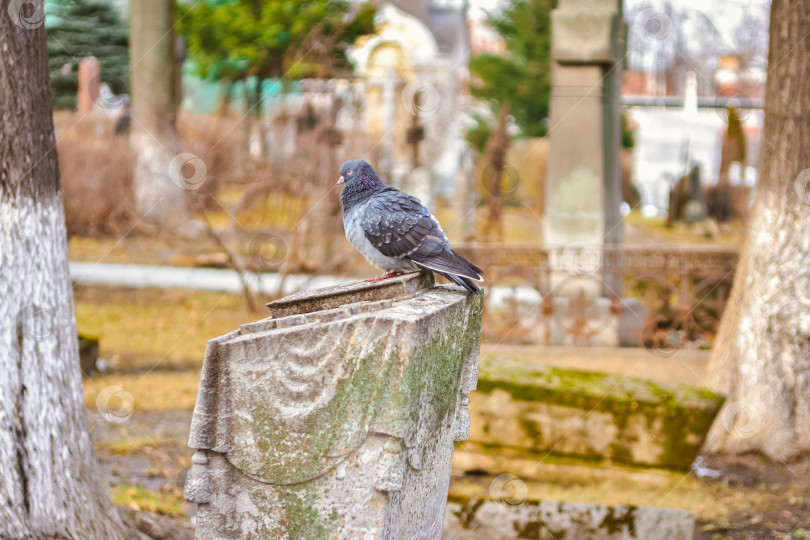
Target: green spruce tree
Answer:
pixel 521 77
pixel 82 28
pixel 273 39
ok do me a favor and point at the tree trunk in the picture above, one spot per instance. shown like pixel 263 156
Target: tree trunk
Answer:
pixel 258 113
pixel 159 193
pixel 761 358
pixel 496 154
pixel 49 483
pixel 247 122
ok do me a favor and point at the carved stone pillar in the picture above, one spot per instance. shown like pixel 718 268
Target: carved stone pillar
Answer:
pixel 336 417
pixel 582 221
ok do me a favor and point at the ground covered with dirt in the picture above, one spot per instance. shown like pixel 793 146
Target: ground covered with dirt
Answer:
pixel 784 511
pixel 743 497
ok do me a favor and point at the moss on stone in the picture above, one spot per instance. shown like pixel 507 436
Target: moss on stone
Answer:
pixel 301 454
pixel 299 514
pixel 620 452
pixel 531 428
pixel 383 391
pixel 89 338
pixel 614 522
pixel 681 414
pixel 580 388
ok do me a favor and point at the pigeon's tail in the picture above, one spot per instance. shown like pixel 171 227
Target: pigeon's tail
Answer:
pixel 450 262
pixel 455 268
pixel 470 265
pixel 465 282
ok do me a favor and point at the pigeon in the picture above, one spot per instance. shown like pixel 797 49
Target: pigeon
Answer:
pixel 394 231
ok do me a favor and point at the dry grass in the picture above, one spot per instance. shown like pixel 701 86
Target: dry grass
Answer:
pixel 656 230
pixel 155 391
pixel 139 250
pixel 166 501
pixel 142 329
pixel 133 445
pixel 95 166
pixel 685 366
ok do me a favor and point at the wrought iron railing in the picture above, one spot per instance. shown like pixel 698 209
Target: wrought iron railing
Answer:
pixel 660 296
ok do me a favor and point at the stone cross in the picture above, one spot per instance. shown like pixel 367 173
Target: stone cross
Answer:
pixel 336 417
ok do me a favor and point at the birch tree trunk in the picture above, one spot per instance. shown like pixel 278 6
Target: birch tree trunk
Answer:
pixel 761 358
pixel 160 175
pixel 49 483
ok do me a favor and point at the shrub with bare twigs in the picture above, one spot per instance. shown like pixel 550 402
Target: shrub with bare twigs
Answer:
pixel 95 165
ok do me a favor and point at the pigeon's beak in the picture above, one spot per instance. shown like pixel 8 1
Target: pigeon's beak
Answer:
pixel 342 180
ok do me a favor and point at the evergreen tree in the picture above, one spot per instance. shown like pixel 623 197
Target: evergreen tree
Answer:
pixel 231 41
pixel 523 77
pixel 516 85
pixel 82 28
pixel 237 40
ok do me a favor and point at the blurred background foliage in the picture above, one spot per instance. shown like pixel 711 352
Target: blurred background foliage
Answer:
pixel 231 41
pixel 522 77
pixel 82 28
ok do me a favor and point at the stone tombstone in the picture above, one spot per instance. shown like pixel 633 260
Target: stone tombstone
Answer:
pixel 557 520
pixel 89 79
pixel 583 183
pixel 533 409
pixel 336 417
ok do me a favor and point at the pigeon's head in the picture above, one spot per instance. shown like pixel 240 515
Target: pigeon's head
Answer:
pixel 354 169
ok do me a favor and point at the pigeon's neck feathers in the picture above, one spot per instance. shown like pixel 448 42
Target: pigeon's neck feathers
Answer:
pixel 359 190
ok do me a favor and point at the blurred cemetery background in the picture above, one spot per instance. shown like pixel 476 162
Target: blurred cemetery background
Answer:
pixel 606 206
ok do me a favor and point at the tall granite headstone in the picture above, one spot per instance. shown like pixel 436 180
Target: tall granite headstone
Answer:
pixel 583 184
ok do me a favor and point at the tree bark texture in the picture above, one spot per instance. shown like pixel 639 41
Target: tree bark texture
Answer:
pixel 761 357
pixel 496 154
pixel 159 182
pixel 49 483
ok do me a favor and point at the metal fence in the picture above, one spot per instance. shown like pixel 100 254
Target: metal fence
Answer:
pixel 658 296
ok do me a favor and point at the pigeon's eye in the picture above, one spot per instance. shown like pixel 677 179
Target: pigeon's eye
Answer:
pixel 349 171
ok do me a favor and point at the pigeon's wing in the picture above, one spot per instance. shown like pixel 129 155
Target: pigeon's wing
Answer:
pixel 400 226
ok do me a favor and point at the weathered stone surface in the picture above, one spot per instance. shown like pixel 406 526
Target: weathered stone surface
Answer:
pixel 341 295
pixel 88 354
pixel 557 469
pixel 579 188
pixel 583 36
pixel 336 423
pixel 551 520
pixel 590 414
pixel 583 183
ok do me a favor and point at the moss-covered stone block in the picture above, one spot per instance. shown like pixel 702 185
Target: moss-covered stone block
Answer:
pixel 337 416
pixel 556 520
pixel 590 414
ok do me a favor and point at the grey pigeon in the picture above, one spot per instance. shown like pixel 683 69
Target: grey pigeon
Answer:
pixel 395 231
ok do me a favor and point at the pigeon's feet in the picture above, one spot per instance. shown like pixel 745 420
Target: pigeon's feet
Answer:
pixel 386 275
